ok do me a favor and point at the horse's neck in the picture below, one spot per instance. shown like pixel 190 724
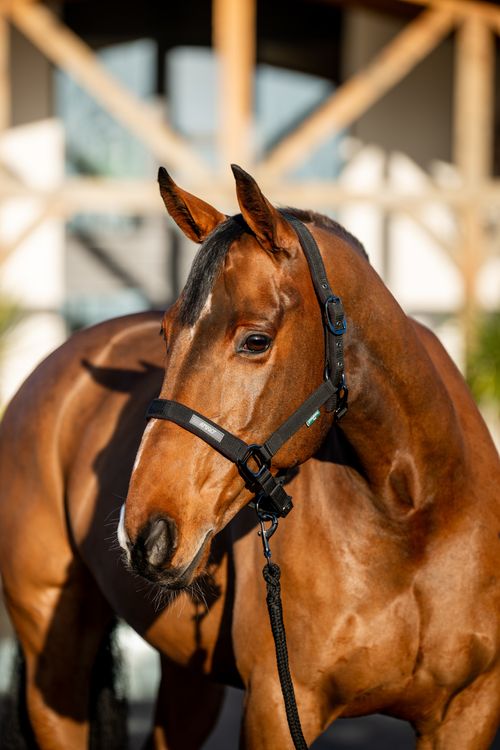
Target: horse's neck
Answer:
pixel 401 424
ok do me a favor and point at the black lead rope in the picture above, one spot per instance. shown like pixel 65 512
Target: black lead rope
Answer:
pixel 272 574
pixel 254 460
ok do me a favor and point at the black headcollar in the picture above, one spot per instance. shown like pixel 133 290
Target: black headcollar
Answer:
pixel 332 394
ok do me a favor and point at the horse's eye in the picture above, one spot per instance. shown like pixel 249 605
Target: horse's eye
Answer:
pixel 256 343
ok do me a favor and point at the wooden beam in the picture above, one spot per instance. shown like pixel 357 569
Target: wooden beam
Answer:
pixel 323 195
pixel 52 208
pixel 473 148
pixel 234 42
pixel 107 195
pixel 463 8
pixel 69 52
pixel 448 247
pixel 141 197
pixel 355 96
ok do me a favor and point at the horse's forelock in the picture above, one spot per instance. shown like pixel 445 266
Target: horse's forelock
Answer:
pixel 211 255
pixel 206 266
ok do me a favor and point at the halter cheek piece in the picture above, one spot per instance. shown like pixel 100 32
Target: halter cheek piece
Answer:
pixel 271 500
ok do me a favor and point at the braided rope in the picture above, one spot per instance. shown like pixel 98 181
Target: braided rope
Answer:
pixel 272 573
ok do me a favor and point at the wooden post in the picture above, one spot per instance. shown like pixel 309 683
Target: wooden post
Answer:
pixel 234 43
pixel 5 92
pixel 5 103
pixel 357 94
pixel 70 53
pixel 473 145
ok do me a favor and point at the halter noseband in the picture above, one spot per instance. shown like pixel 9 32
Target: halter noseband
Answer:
pixel 270 496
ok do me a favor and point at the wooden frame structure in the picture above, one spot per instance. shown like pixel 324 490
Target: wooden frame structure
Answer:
pixel 234 26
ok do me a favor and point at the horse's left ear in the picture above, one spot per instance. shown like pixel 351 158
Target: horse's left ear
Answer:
pixel 272 231
pixel 193 216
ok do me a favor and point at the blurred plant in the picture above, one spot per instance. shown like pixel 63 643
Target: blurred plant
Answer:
pixel 483 367
pixel 10 314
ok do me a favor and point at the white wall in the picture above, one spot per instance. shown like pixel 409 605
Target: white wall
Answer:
pixel 32 277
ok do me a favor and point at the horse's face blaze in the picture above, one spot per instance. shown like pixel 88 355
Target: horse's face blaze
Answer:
pixel 249 359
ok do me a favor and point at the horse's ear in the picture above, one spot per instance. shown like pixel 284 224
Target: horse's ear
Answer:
pixel 272 231
pixel 192 215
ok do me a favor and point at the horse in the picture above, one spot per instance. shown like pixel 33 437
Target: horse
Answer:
pixel 390 556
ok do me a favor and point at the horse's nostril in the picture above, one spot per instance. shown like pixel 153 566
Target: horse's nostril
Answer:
pixel 159 545
pixel 156 543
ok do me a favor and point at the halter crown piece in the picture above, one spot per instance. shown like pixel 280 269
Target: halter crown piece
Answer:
pixel 270 498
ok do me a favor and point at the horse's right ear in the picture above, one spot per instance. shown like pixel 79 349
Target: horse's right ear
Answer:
pixel 193 216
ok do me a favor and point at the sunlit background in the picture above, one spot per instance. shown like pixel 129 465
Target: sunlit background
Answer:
pixel 384 114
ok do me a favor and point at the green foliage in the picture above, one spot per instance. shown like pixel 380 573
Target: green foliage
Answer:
pixel 9 316
pixel 483 367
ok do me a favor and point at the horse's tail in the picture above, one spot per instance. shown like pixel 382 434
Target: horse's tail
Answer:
pixel 15 727
pixel 108 704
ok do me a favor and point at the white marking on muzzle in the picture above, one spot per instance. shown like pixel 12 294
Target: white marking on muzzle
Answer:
pixel 122 535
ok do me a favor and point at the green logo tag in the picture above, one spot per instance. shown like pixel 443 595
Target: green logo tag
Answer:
pixel 313 418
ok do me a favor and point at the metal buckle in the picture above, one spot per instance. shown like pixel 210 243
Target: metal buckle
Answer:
pixel 250 476
pixel 268 490
pixel 339 327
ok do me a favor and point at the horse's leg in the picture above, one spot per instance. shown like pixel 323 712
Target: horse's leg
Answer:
pixel 186 710
pixel 60 629
pixel 471 719
pixel 265 726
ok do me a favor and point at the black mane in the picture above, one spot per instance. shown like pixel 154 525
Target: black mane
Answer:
pixel 212 252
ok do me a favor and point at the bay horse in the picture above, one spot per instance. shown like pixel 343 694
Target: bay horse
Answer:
pixel 390 558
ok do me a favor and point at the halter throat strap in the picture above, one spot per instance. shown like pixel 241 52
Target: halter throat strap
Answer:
pixel 254 460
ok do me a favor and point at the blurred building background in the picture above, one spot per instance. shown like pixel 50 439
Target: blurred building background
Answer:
pixel 382 113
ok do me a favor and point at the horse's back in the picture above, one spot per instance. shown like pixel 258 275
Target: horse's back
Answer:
pixel 57 410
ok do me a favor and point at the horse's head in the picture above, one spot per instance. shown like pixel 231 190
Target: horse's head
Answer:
pixel 244 347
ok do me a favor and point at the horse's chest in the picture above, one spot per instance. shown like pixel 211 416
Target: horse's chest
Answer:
pixel 359 654
pixel 401 652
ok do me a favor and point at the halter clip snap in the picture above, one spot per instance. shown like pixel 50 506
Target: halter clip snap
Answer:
pixel 265 534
